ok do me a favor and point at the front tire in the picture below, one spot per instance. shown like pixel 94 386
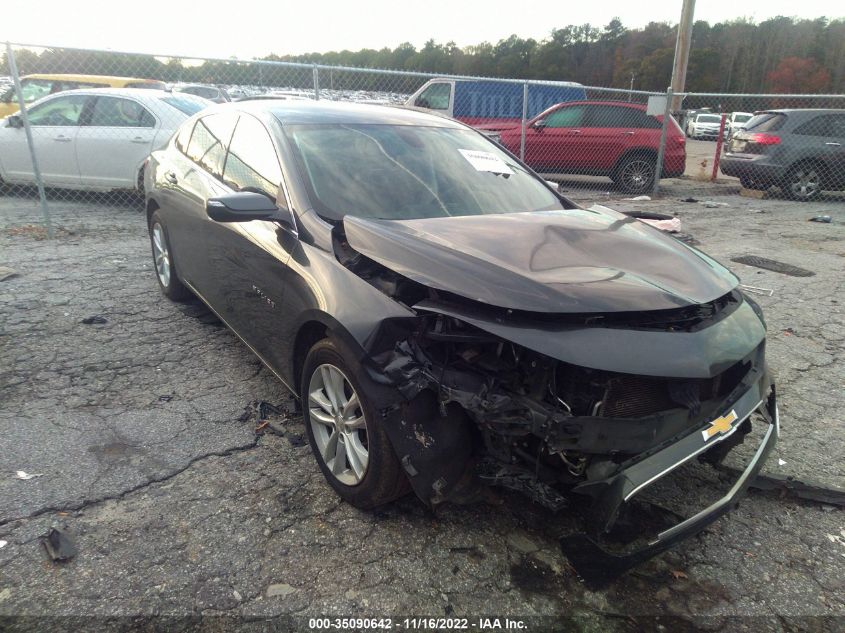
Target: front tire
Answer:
pixel 803 182
pixel 168 279
pixel 344 429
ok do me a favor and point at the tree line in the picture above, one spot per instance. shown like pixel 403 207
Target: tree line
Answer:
pixel 781 55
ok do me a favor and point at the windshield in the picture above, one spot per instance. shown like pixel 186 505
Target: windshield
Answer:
pixel 187 106
pixel 402 172
pixel 708 118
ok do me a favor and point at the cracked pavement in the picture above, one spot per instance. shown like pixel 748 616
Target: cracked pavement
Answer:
pixel 143 431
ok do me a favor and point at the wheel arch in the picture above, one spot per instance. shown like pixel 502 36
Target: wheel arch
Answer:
pixel 816 162
pixel 315 326
pixel 152 207
pixel 649 152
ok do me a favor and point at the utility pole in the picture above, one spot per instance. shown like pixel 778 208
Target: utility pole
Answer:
pixel 682 46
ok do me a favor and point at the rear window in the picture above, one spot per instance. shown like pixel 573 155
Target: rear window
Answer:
pixel 742 118
pixel 186 106
pixel 766 122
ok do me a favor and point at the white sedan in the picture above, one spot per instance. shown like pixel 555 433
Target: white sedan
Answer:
pixel 96 140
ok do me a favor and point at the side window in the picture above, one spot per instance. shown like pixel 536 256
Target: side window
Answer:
pixel 619 117
pixel 636 118
pixel 572 116
pixel 252 161
pixel 435 97
pixel 119 112
pixel 59 111
pixel 825 125
pixel 183 137
pixel 34 89
pixel 210 140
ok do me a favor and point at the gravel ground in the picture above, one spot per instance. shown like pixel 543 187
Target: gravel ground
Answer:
pixel 144 432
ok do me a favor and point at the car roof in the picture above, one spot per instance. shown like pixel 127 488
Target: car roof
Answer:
pixel 103 78
pixel 292 112
pixel 140 93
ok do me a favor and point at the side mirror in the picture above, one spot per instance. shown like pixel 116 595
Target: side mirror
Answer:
pixel 15 121
pixel 422 102
pixel 245 206
pixel 539 125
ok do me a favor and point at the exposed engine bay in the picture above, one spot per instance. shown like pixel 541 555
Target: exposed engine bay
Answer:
pixel 490 395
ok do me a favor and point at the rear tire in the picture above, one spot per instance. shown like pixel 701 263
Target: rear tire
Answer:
pixel 803 182
pixel 344 429
pixel 163 264
pixel 635 173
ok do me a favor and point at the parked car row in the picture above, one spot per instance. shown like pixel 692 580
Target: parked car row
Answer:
pixel 613 139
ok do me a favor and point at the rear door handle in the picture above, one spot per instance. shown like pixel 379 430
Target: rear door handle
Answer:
pixel 170 177
pixel 139 139
pixel 62 139
pixel 834 144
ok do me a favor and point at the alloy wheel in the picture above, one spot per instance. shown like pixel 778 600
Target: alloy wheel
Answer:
pixel 637 175
pixel 805 183
pixel 338 424
pixel 161 255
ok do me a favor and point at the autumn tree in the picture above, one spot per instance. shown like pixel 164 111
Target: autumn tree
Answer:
pixel 798 75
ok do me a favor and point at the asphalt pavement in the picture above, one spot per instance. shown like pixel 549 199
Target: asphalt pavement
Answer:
pixel 143 433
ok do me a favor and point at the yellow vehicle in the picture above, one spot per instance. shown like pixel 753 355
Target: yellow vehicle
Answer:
pixel 34 87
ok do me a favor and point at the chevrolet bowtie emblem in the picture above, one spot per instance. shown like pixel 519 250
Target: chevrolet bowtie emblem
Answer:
pixel 719 425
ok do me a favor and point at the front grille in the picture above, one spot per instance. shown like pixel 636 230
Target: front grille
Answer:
pixel 635 396
pixel 628 396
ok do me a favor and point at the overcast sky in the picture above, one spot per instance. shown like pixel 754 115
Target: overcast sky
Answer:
pixel 252 28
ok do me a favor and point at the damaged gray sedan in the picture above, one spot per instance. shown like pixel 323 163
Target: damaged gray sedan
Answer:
pixel 449 322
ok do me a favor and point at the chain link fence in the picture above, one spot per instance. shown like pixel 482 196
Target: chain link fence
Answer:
pixel 791 146
pixel 79 124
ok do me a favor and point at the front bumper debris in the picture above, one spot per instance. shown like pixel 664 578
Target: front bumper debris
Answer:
pixel 596 564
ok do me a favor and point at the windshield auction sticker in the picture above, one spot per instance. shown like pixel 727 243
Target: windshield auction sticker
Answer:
pixel 485 161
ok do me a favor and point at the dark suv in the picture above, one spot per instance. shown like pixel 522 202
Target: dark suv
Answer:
pixel 800 151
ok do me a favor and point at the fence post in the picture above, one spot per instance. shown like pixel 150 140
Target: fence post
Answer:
pixel 524 117
pixel 719 142
pixel 13 69
pixel 316 72
pixel 661 151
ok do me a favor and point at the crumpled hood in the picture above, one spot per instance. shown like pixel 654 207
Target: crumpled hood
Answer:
pixel 567 261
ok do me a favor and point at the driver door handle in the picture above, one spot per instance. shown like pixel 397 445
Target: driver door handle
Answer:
pixel 575 132
pixel 139 139
pixel 62 139
pixel 170 177
pixel 629 133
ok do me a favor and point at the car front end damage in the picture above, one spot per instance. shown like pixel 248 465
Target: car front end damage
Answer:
pixel 569 408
